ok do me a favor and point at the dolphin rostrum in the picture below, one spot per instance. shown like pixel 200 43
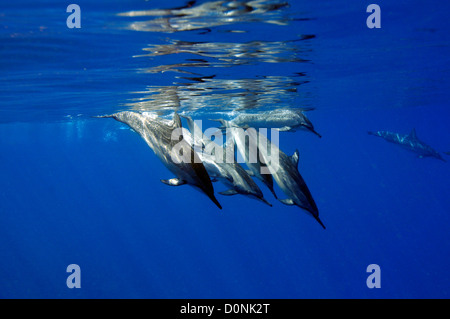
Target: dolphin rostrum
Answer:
pixel 229 172
pixel 289 120
pixel 157 132
pixel 410 142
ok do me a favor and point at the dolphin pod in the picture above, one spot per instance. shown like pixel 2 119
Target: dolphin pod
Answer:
pixel 282 168
pixel 202 169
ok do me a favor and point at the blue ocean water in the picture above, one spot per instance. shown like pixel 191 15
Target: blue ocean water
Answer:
pixel 82 190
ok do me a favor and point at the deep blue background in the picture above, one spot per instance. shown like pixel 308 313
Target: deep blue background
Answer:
pixel 80 190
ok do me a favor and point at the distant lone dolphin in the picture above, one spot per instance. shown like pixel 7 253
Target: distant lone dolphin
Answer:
pixel 157 132
pixel 289 120
pixel 230 173
pixel 410 142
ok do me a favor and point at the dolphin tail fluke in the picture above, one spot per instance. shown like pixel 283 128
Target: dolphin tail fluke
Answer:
pixel 370 133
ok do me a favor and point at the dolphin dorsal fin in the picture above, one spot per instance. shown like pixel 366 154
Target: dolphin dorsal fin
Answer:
pixel 176 120
pixel 413 134
pixel 190 123
pixel 294 158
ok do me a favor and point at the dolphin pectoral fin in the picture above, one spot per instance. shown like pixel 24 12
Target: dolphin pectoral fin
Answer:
pixel 173 182
pixel 287 201
pixel 250 172
pixel 294 158
pixel 285 129
pixel 228 192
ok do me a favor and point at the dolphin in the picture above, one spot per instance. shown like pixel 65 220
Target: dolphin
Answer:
pixel 410 142
pixel 289 120
pixel 157 132
pixel 285 173
pixel 230 173
pixel 242 144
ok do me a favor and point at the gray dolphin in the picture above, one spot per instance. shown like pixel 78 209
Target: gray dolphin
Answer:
pixel 289 120
pixel 285 172
pixel 242 144
pixel 410 142
pixel 228 172
pixel 157 132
